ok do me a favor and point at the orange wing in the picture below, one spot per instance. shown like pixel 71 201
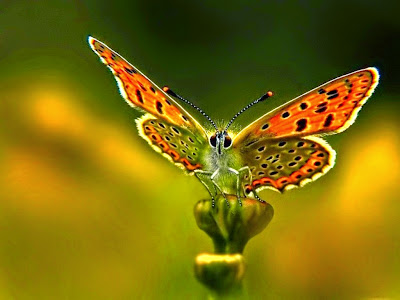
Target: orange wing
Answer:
pixel 327 109
pixel 140 92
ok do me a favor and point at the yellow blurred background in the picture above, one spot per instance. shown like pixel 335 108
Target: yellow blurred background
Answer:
pixel 89 211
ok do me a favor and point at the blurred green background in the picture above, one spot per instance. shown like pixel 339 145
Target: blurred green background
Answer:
pixel 89 211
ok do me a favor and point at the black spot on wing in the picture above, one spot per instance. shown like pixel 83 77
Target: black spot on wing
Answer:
pixel 332 92
pixel 322 109
pixel 176 130
pixel 301 124
pixel 333 96
pixel 303 106
pixel 130 71
pixel 139 96
pixel 281 144
pixel 159 107
pixel 142 86
pixel 328 120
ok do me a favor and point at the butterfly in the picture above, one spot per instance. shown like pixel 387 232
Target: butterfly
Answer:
pixel 281 150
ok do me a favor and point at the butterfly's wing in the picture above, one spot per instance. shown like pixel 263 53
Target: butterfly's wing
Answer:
pixel 327 109
pixel 164 115
pixel 178 144
pixel 284 163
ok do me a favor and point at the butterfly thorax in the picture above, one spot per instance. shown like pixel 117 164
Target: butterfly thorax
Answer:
pixel 227 159
pixel 221 157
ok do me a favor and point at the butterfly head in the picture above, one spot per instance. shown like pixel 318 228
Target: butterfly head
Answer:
pixel 220 141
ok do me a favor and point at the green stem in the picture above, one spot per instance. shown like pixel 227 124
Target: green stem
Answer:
pixel 230 228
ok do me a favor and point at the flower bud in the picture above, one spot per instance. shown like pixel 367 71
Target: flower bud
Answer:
pixel 220 272
pixel 230 227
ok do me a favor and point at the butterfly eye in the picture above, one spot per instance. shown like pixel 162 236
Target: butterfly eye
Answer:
pixel 227 141
pixel 213 141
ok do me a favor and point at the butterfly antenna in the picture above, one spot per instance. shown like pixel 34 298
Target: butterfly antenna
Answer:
pixel 171 93
pixel 262 98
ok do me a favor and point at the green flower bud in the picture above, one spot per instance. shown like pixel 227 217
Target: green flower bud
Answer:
pixel 221 273
pixel 231 227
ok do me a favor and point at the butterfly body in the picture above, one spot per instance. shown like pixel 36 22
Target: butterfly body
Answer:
pixel 281 150
pixel 223 161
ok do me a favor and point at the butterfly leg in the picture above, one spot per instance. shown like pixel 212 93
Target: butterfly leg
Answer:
pixel 198 173
pixel 238 182
pixel 250 177
pixel 211 177
pixel 217 186
pixel 258 198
